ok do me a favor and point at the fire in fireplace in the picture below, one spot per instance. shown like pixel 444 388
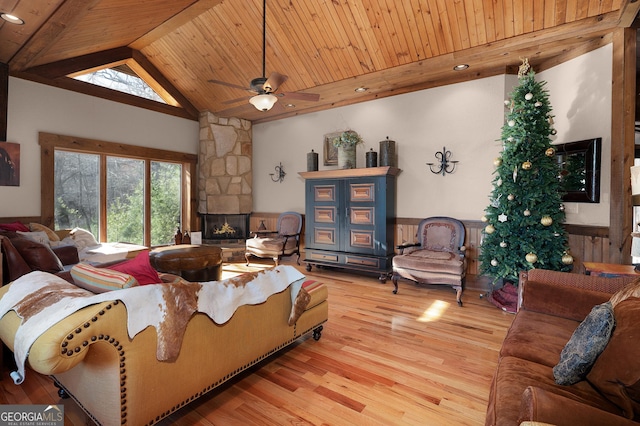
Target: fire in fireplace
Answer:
pixel 218 227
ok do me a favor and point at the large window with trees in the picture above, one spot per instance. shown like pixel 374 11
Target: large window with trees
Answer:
pixel 118 192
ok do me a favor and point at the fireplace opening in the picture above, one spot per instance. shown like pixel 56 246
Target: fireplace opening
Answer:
pixel 221 227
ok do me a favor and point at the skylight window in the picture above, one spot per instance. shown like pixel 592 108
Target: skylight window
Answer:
pixel 122 79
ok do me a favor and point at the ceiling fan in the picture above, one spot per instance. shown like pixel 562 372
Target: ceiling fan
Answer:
pixel 264 88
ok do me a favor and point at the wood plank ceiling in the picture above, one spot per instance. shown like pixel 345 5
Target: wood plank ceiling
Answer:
pixel 327 47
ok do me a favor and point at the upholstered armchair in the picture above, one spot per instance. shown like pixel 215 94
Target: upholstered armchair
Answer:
pixel 284 242
pixel 437 256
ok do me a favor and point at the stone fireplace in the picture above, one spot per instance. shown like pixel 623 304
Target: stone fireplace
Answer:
pixel 224 165
pixel 225 198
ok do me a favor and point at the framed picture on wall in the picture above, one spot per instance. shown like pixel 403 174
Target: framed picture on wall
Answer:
pixel 9 164
pixel 330 151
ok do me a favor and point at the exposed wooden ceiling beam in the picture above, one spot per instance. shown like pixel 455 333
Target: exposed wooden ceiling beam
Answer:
pixel 62 21
pixel 196 9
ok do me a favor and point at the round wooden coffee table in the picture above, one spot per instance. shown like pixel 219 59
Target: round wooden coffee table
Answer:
pixel 197 263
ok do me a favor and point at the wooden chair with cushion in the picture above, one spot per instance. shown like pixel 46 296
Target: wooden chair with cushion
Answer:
pixel 437 256
pixel 284 242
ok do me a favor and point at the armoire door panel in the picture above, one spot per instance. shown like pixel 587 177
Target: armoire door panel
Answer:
pixel 361 239
pixel 325 193
pixel 325 236
pixel 362 192
pixel 362 216
pixel 325 214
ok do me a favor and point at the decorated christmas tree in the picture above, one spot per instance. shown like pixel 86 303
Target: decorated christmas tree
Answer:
pixel 524 219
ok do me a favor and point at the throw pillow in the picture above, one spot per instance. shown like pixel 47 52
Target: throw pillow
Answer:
pixel 587 342
pixel 50 233
pixel 14 226
pixel 100 280
pixel 37 236
pixel 630 290
pixel 616 373
pixel 38 256
pixel 83 238
pixel 140 267
pixel 16 265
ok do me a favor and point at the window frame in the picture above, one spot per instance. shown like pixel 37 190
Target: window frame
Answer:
pixel 49 143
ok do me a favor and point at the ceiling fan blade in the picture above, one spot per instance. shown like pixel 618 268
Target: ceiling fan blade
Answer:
pixel 313 97
pixel 224 83
pixel 274 81
pixel 236 100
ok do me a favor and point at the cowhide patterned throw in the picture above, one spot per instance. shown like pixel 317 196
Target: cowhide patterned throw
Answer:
pixel 42 299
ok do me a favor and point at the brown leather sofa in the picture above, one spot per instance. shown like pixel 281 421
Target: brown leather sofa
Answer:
pixel 21 255
pixel 551 306
pixel 118 380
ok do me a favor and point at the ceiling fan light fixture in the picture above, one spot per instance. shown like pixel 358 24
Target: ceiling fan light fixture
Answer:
pixel 461 67
pixel 264 101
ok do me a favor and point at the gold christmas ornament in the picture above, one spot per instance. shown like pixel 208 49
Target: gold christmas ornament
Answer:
pixel 503 244
pixel 484 218
pixel 526 165
pixel 507 102
pixel 489 229
pixel 567 259
pixel 546 220
pixel 494 262
pixel 550 152
pixel 538 104
pixel 511 197
pixel 497 161
pixel 527 212
pixel 528 96
pixel 531 257
pixel 511 123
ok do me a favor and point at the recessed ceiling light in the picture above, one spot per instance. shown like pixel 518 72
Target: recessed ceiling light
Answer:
pixel 361 89
pixel 290 105
pixel 460 67
pixel 11 18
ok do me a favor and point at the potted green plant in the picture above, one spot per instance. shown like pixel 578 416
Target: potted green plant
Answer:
pixel 346 144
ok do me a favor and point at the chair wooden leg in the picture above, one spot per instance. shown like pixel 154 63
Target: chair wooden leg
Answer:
pixel 459 295
pixel 246 256
pixel 394 279
pixel 277 260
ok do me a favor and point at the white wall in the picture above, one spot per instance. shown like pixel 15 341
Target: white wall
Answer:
pixel 37 108
pixel 466 118
pixel 580 94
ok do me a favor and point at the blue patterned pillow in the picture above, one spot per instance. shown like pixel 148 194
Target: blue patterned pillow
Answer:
pixel 586 344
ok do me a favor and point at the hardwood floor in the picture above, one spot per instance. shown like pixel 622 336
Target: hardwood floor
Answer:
pixel 414 358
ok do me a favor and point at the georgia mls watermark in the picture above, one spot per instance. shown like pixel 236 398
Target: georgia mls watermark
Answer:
pixel 32 415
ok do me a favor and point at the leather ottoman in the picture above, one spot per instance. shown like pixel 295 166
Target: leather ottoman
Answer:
pixel 196 263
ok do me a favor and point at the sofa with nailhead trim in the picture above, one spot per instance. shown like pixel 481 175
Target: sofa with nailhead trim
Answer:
pixel 118 380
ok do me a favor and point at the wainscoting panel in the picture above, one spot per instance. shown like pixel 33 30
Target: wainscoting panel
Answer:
pixel 586 243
